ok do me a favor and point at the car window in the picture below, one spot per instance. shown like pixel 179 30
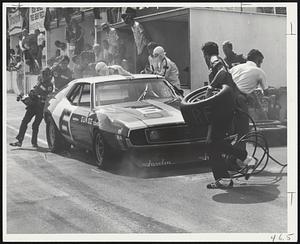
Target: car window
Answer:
pixel 85 97
pixel 132 90
pixel 73 97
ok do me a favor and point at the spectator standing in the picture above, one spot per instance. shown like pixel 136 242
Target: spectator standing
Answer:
pixel 231 58
pixel 78 37
pixel 140 39
pixel 103 69
pixel 107 57
pixel 166 67
pixel 41 42
pixel 113 40
pixel 61 72
pixel 97 52
pixel 77 69
pixel 20 74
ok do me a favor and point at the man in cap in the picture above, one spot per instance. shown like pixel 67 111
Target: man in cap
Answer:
pixel 102 69
pixel 231 58
pixel 140 39
pixel 166 67
pixel 113 40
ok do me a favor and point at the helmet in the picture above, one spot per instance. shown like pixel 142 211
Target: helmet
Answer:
pixel 158 51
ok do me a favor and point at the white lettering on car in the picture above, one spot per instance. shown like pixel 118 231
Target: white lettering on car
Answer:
pixel 162 162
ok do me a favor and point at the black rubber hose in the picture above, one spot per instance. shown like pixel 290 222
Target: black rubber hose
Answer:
pixel 265 148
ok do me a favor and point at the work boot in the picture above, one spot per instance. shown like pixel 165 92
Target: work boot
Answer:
pixel 16 144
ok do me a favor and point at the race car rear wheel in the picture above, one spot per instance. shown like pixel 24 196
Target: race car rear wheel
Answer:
pixel 55 141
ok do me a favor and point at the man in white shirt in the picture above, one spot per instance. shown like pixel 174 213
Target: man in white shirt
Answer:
pixel 249 76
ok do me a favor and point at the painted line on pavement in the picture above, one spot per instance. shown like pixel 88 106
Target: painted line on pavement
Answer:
pixel 26 134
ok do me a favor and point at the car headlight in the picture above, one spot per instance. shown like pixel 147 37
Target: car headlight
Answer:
pixel 154 135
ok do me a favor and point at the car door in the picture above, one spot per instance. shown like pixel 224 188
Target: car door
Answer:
pixel 81 124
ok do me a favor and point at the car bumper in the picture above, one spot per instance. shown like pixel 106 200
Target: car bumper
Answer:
pixel 155 156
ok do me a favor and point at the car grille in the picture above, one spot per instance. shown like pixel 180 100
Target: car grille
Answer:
pixel 169 134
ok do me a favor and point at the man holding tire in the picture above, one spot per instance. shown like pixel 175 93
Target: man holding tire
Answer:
pixel 220 121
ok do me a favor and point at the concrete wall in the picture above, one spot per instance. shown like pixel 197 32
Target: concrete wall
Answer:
pixel 246 31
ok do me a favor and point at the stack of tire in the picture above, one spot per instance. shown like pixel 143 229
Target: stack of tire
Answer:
pixel 199 110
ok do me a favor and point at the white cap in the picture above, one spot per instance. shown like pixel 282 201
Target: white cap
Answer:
pixel 159 51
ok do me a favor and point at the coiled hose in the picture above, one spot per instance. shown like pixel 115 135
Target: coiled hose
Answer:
pixel 259 141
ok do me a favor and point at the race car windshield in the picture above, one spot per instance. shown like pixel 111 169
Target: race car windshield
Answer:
pixel 132 90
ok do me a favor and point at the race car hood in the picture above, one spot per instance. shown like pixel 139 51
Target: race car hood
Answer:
pixel 141 114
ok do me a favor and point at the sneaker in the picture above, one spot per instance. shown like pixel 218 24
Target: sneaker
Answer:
pixel 35 145
pixel 249 161
pixel 16 144
pixel 221 184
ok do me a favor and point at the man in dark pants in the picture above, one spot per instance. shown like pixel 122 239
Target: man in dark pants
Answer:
pixel 35 105
pixel 216 145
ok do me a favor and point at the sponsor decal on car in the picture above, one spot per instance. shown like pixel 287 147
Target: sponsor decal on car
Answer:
pixel 153 163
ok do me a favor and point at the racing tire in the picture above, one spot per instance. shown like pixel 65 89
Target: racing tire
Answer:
pixel 102 151
pixel 198 110
pixel 55 140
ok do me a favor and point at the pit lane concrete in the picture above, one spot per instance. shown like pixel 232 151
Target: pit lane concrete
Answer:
pixel 51 194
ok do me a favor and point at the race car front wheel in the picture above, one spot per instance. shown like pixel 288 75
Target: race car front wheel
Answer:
pixel 56 142
pixel 100 150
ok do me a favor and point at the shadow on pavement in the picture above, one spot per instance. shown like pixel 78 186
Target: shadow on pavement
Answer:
pixel 250 194
pixel 38 149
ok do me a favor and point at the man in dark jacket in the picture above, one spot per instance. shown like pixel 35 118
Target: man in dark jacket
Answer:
pixel 219 125
pixel 35 105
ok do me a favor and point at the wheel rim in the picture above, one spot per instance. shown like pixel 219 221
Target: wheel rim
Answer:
pixel 99 146
pixel 51 134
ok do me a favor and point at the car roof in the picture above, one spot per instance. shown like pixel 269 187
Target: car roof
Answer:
pixel 96 79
